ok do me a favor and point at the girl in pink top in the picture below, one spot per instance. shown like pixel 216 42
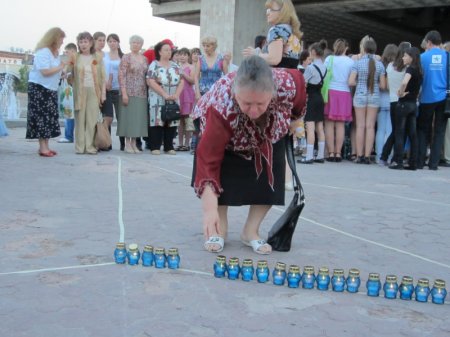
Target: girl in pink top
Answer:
pixel 187 101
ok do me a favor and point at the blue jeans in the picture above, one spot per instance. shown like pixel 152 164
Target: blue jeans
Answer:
pixel 384 129
pixel 69 124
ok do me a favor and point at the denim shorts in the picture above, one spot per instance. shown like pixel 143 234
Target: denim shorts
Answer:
pixel 363 100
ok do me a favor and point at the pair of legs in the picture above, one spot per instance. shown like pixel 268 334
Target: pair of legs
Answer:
pixel 365 129
pixel 405 119
pixel 424 127
pixel 130 145
pixel 311 129
pixel 184 137
pixel 334 137
pixel 384 130
pixel 44 147
pixel 390 141
pixel 158 135
pixel 256 215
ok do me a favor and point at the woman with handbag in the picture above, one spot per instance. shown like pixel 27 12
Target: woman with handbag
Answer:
pixel 240 159
pixel 165 86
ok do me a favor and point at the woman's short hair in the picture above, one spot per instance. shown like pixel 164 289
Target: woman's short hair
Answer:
pixel 288 15
pixel 184 51
pixel 303 56
pixel 210 40
pixel 86 36
pixel 158 48
pixel 196 51
pixel 254 74
pixel 136 38
pixel 98 34
pixel 50 38
pixel 319 47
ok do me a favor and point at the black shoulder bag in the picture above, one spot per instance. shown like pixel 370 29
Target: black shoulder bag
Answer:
pixel 280 235
pixel 170 111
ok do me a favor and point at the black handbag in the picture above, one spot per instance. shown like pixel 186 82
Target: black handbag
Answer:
pixel 280 235
pixel 170 112
pixel 447 101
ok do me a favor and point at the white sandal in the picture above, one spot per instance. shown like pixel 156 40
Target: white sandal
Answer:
pixel 256 245
pixel 214 240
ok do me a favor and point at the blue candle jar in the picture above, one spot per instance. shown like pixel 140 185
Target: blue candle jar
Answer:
pixel 147 256
pixel 373 285
pixel 338 280
pixel 308 277
pixel 262 271
pixel 160 257
pixel 353 280
pixel 120 253
pixel 173 258
pixel 279 274
pixel 247 270
pixel 323 278
pixel 233 268
pixel 220 267
pixel 390 287
pixel 406 288
pixel 294 276
pixel 422 290
pixel 438 292
pixel 133 254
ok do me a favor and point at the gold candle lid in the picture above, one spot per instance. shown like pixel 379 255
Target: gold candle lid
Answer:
pixel 262 264
pixel 391 278
pixel 234 261
pixel 353 272
pixel 423 282
pixel 324 271
pixel 148 248
pixel 438 283
pixel 374 277
pixel 220 259
pixel 293 269
pixel 120 245
pixel 133 247
pixel 172 251
pixel 338 272
pixel 280 266
pixel 308 270
pixel 406 280
pixel 247 263
pixel 159 251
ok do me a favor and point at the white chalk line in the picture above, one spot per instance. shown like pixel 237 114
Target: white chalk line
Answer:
pixel 380 194
pixel 43 270
pixel 120 207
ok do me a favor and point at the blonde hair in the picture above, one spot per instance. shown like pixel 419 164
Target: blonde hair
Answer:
pixel 50 39
pixel 287 15
pixel 210 40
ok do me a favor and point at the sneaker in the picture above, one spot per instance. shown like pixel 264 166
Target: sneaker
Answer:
pixel 64 140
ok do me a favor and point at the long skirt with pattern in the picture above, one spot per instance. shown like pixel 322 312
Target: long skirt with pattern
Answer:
pixel 42 119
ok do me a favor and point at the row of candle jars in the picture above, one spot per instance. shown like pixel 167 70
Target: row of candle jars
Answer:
pixel 322 280
pixel 150 256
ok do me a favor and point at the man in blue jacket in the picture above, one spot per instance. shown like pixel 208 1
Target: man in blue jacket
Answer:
pixel 432 101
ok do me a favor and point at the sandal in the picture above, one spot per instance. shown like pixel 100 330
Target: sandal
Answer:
pixel 331 157
pixel 337 158
pixel 46 154
pixel 214 240
pixel 256 246
pixel 353 157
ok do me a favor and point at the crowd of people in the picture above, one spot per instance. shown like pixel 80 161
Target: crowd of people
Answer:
pixel 236 122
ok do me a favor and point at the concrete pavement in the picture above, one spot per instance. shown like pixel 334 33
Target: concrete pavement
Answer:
pixel 60 221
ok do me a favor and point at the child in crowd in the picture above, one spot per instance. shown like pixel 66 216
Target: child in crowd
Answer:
pixel 187 100
pixel 70 50
pixel 89 92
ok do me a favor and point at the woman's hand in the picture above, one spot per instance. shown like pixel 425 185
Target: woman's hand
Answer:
pixel 125 99
pixel 211 224
pixel 249 51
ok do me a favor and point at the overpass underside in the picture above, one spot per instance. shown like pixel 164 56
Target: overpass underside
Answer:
pixel 388 21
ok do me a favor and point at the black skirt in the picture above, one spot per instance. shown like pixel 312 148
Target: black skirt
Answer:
pixel 240 184
pixel 42 118
pixel 314 105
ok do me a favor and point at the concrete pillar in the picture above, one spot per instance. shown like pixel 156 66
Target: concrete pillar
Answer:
pixel 234 23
